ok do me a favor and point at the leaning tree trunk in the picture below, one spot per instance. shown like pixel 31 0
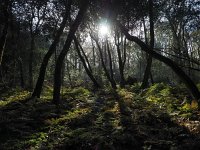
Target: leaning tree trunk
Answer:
pixel 147 72
pixel 86 58
pixel 182 75
pixel 112 81
pixel 88 71
pixel 63 53
pixel 52 48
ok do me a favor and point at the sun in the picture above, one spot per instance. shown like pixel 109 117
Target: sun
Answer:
pixel 104 29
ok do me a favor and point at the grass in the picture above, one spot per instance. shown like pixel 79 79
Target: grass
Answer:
pixel 159 117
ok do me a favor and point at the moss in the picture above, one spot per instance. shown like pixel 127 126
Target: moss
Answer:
pixel 156 88
pixel 37 139
pixel 15 95
pixel 96 121
pixel 126 96
pixel 170 98
pixel 135 88
pixel 71 115
pixel 198 85
pixel 76 93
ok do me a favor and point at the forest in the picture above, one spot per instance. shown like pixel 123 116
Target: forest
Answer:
pixel 99 74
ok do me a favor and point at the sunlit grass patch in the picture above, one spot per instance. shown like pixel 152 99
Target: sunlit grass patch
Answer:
pixel 47 93
pixel 174 99
pixel 126 96
pixel 69 116
pixel 35 140
pixel 14 95
pixel 110 117
pixel 136 88
pixel 198 85
pixel 76 93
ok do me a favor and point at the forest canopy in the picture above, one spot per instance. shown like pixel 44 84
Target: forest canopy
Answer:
pixel 73 42
pixel 99 74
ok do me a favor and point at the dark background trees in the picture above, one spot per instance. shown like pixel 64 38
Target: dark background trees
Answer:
pixel 33 35
pixel 99 74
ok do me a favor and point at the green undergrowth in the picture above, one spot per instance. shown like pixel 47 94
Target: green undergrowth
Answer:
pixel 13 95
pixel 198 85
pixel 126 118
pixel 176 100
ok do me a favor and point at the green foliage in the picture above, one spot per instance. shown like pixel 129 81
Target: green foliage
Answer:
pixel 108 119
pixel 173 99
pixel 13 95
pixel 157 88
pixel 35 140
pixel 47 93
pixel 70 116
pixel 135 88
pixel 126 96
pixel 198 85
pixel 76 93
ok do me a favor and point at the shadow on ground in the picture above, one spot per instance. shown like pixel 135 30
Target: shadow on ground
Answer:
pixel 102 121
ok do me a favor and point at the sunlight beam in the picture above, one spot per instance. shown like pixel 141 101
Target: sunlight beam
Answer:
pixel 104 29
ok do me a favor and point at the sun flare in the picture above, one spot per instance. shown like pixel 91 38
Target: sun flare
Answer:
pixel 104 29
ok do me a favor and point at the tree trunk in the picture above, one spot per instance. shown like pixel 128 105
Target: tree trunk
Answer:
pixel 5 30
pixel 21 73
pixel 61 57
pixel 110 63
pixel 147 72
pixel 4 37
pixel 1 75
pixel 112 82
pixel 52 49
pixel 88 71
pixel 120 62
pixel 86 58
pixel 182 75
pixel 31 62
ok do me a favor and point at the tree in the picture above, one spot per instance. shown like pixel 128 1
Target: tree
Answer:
pixel 185 78
pixel 88 71
pixel 52 48
pixel 109 76
pixel 5 7
pixel 121 53
pixel 147 72
pixel 63 53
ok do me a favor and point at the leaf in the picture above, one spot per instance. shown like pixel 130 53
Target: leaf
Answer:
pixel 194 104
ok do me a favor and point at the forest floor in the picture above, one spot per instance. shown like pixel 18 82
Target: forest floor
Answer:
pixel 160 117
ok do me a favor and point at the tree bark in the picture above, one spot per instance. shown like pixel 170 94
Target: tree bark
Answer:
pixel 88 71
pixel 21 72
pixel 86 58
pixel 63 53
pixel 110 62
pixel 31 62
pixel 112 82
pixel 52 49
pixel 147 72
pixel 182 75
pixel 5 30
pixel 120 62
pixel 3 37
